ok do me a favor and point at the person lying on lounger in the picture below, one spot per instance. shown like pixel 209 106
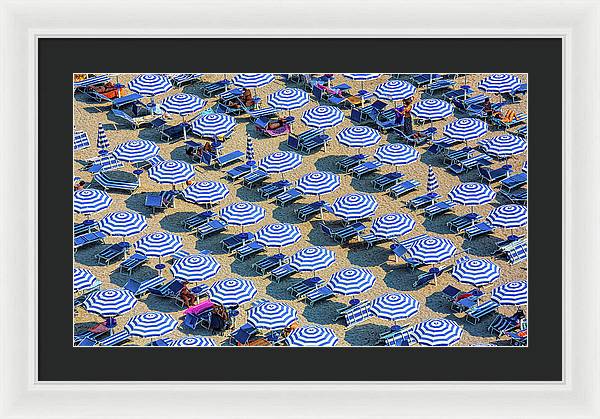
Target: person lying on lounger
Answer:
pixel 79 185
pixel 277 124
pixel 105 88
pixel 244 99
pixel 487 108
pixel 187 297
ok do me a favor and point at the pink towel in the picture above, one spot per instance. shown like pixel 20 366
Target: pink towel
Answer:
pixel 200 308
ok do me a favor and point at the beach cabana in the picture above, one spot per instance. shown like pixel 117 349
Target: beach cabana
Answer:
pixel 232 291
pixel 312 335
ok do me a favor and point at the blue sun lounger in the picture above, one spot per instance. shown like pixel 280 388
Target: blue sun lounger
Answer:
pixel 288 197
pixel 470 163
pixel 224 160
pixel 80 140
pixel 424 78
pixel 502 324
pixel 423 200
pixel 494 175
pixel 249 250
pixel 417 137
pixel 519 119
pixel 255 177
pixel 460 223
pixel 439 85
pixel 463 92
pixel 266 112
pixel 210 227
pixel 517 254
pixel 299 289
pixel 387 180
pixel 476 313
pixel 521 89
pixel 516 197
pixel 134 121
pixel 513 182
pixel 185 78
pixel 215 88
pixel 455 156
pixel 465 103
pixel 84 228
pixel 107 183
pixel 365 168
pixel 132 262
pixel 438 208
pixel 343 234
pixel 403 188
pixel 196 220
pixel 371 239
pixel 238 172
pixel 349 162
pixel 140 288
pixel 273 189
pixel 477 230
pixel 308 210
pixel 115 251
pixel 87 239
pixel 319 294
pixel 232 243
pixel 116 339
pixel 282 272
pixel 354 314
pixel 269 263
pixel 243 334
pixel 160 200
pixel 103 163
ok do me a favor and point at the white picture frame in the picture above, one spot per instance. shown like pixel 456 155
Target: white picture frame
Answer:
pixel 24 23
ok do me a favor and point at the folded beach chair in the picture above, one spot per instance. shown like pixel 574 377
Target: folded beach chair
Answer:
pixel 134 121
pixel 249 250
pixel 160 200
pixel 255 177
pixel 477 230
pixel 80 140
pixel 475 314
pixel 403 188
pixel 301 288
pixel 107 183
pixel 423 200
pixel 424 79
pixel 232 243
pixel 349 162
pixel 272 189
pixel 308 210
pixel 84 228
pixel 210 227
pixel 115 251
pixel 88 238
pixel 288 197
pixel 140 288
pixel 269 263
pixel 281 272
pixel 151 162
pixel 516 197
pixel 460 223
pixel 365 168
pixel 438 208
pixel 196 220
pixel 494 175
pixel 387 180
pixel 103 163
pixel 319 294
pixel 116 339
pixel 513 182
pixel 215 88
pixel 132 262
pixel 352 315
pixel 238 172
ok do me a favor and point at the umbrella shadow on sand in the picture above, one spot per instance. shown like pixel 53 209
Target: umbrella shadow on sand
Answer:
pixel 327 163
pixel 286 215
pixel 438 225
pixel 363 184
pixel 172 222
pixel 359 255
pixel 480 246
pixel 247 194
pixel 437 303
pixel 401 279
pixel 322 313
pixel 136 202
pixel 364 334
pixel 278 290
pixel 163 305
pixel 243 269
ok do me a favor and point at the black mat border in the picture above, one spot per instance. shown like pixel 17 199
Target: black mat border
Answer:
pixel 58 58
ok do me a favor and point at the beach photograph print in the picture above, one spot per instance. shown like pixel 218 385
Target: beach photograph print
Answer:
pixel 295 210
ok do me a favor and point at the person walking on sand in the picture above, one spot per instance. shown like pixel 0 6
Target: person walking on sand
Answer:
pixel 408 129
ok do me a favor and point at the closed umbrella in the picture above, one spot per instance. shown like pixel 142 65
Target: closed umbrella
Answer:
pixel 102 141
pixel 432 182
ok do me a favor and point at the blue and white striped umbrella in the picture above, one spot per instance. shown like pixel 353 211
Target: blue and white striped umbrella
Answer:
pixel 432 182
pixel 83 279
pixel 361 76
pixel 395 90
pixel 278 235
pixel 354 206
pixel 512 293
pixel 194 268
pixel 250 151
pixel 150 324
pixel 123 223
pixel 280 162
pixel 351 281
pixel 110 303
pixel 504 145
pixel 88 201
pixel 242 213
pixel 312 335
pixel 205 192
pixel 312 259
pixel 465 129
pixel 91 81
pixel 508 216
pixel 437 332
pixel 395 306
pixel 477 272
pixel 288 99
pixel 102 141
pixel 499 83
pixel 183 104
pixel 171 172
pixel 317 183
pixel 193 342
pixel 150 84
pixel 358 136
pixel 134 151
pixel 392 225
pixel 158 244
pixel 524 168
pixel 272 315
pixel 232 291
pixel 322 117
pixel 213 125
pixel 396 154
pixel 432 250
pixel 432 109
pixel 471 193
pixel 252 80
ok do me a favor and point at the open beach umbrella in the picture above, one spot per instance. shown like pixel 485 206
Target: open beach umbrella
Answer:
pixel 213 125
pixel 242 214
pixel 83 279
pixel 288 99
pixel 318 183
pixel 193 341
pixel 232 291
pixel 504 145
pixel 437 332
pixel 150 85
pixel 272 315
pixel 508 216
pixel 432 249
pixel 499 83
pixel 358 137
pixel 432 182
pixel 134 151
pixel 205 192
pixel 195 268
pixel 312 259
pixel 250 151
pixel 183 104
pixel 471 193
pixel 524 168
pixel 159 244
pixel 312 335
pixel 252 80
pixel 477 272
pixel 351 281
pixel 512 293
pixel 396 154
pixel 278 235
pixel 171 172
pixel 465 129
pixel 394 306
pixel 110 303
pixel 280 162
pixel 322 117
pixel 123 223
pixel 89 201
pixel 392 225
pixel 395 90
pixel 150 324
pixel 354 206
pixel 432 109
pixel 361 76
pixel 102 141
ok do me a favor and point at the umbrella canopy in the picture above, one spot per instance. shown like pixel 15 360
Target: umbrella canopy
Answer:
pixel 312 259
pixel 288 99
pixel 183 104
pixel 312 335
pixel 281 161
pixel 213 125
pixel 242 213
pixel 83 279
pixel 232 291
pixel 499 83
pixel 477 272
pixel 351 281
pixel 102 141
pixel 272 315
pixel 392 225
pixel 195 268
pixel 134 151
pixel 250 151
pixel 511 293
pixel 171 172
pixel 278 235
pixel 354 206
pixel 395 90
pixel 158 244
pixel 432 249
pixel 358 136
pixel 524 168
pixel 150 324
pixel 361 76
pixel 252 80
pixel 471 193
pixel 432 109
pixel 205 192
pixel 322 117
pixel 88 201
pixel 396 154
pixel 465 129
pixel 437 332
pixel 123 223
pixel 394 306
pixel 110 303
pixel 317 183
pixel 432 182
pixel 508 216
pixel 150 84
pixel 504 145
pixel 193 342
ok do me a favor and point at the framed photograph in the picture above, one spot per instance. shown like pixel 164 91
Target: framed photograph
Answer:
pixel 265 217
